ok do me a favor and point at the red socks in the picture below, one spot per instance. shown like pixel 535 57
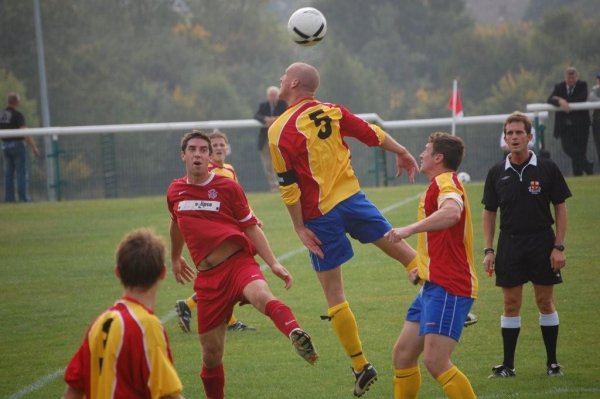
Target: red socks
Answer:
pixel 282 316
pixel 214 382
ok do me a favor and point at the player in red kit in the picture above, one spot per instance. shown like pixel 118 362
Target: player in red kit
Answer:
pixel 210 214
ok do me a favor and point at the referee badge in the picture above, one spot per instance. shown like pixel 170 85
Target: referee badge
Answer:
pixel 534 187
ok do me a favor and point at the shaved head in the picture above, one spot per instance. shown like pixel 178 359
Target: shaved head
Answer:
pixel 307 75
pixel 300 80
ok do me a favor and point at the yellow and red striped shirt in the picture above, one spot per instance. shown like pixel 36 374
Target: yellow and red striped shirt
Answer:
pixel 124 355
pixel 445 257
pixel 310 157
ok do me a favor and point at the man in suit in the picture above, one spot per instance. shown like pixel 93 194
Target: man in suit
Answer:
pixel 573 127
pixel 267 112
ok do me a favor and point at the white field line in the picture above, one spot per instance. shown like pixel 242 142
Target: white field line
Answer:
pixel 58 373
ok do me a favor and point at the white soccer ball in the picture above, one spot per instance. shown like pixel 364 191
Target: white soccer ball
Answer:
pixel 464 177
pixel 307 26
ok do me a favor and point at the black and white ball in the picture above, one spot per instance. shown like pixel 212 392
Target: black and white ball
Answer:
pixel 464 177
pixel 307 26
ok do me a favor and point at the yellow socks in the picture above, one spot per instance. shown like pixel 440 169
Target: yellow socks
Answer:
pixel 191 302
pixel 232 320
pixel 345 327
pixel 407 383
pixel 455 384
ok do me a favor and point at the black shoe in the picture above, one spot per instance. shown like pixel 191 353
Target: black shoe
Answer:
pixel 184 315
pixel 364 379
pixel 502 371
pixel 303 345
pixel 471 319
pixel 554 370
pixel 239 326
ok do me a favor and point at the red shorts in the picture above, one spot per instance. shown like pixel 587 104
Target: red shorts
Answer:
pixel 220 288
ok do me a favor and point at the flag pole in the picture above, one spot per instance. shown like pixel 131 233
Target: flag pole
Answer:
pixel 454 100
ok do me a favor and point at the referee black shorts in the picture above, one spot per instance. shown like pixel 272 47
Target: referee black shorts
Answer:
pixel 525 257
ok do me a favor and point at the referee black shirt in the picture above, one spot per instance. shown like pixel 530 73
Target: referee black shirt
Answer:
pixel 524 193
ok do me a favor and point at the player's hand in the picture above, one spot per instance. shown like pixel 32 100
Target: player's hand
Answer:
pixel 182 271
pixel 488 263
pixel 397 234
pixel 413 276
pixel 557 260
pixel 407 162
pixel 310 241
pixel 283 274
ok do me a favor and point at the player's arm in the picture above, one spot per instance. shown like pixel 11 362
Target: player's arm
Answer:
pixel 404 159
pixel 258 238
pixel 557 258
pixel 488 219
pixel 447 215
pixel 72 393
pixel 308 238
pixel 181 270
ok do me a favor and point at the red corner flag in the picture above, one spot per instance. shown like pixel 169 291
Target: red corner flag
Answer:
pixel 456 108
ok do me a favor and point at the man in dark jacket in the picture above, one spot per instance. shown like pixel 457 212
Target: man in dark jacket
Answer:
pixel 267 112
pixel 573 127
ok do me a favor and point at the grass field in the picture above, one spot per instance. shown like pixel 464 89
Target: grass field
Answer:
pixel 56 275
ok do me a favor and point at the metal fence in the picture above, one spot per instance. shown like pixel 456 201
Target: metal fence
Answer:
pixel 115 161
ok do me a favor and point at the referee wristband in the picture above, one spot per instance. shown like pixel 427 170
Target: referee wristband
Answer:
pixel 488 250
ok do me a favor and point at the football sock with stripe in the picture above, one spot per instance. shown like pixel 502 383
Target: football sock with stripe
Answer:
pixel 549 326
pixel 282 316
pixel 455 384
pixel 407 383
pixel 345 327
pixel 511 327
pixel 213 381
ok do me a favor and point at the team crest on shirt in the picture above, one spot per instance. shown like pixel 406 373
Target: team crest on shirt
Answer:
pixel 535 187
pixel 212 193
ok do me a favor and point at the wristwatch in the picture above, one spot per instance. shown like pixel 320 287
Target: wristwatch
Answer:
pixel 559 247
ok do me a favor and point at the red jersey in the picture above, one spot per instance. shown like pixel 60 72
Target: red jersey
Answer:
pixel 311 158
pixel 125 355
pixel 445 257
pixel 209 213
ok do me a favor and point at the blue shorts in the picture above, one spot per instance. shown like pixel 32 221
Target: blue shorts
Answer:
pixel 439 312
pixel 356 216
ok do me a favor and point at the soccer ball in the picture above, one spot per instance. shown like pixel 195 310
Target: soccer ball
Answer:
pixel 464 177
pixel 307 26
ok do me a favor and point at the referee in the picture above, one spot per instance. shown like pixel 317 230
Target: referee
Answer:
pixel 523 186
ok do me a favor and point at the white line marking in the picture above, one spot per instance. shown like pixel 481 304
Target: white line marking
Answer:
pixel 37 385
pixel 58 373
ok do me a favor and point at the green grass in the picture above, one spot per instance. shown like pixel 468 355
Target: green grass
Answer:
pixel 56 275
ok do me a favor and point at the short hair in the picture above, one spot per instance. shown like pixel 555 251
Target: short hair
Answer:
pixel 451 147
pixel 13 98
pixel 571 71
pixel 518 117
pixel 271 89
pixel 218 134
pixel 195 134
pixel 140 258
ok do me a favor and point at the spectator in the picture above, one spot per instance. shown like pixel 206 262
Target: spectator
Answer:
pixel 267 112
pixel 15 155
pixel 595 96
pixel 573 127
pixel 125 353
pixel 523 186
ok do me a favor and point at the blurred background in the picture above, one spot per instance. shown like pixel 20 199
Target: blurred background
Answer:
pixel 131 61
